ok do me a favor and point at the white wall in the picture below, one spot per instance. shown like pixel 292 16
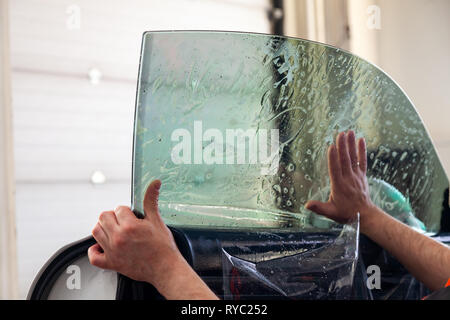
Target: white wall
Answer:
pixel 65 128
pixel 8 252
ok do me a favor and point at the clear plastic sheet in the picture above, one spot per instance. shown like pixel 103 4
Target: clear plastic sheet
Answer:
pixel 326 272
pixel 194 87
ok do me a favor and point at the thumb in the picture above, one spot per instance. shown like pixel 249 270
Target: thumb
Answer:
pixel 151 198
pixel 326 209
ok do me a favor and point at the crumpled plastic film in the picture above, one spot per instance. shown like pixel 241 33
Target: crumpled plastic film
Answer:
pixel 325 272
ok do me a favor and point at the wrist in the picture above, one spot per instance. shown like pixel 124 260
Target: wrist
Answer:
pixel 167 272
pixel 180 282
pixel 369 218
pixel 177 279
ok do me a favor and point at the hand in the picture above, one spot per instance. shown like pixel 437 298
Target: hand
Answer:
pixel 425 258
pixel 141 249
pixel 349 187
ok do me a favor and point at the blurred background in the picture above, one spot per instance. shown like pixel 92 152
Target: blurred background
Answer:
pixel 68 84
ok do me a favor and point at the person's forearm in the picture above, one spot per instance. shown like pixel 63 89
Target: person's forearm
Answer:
pixel 182 283
pixel 426 259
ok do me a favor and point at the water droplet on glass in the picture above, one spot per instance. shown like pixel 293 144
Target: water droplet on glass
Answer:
pixel 290 167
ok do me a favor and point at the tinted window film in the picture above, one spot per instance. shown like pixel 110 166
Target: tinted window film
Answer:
pixel 237 127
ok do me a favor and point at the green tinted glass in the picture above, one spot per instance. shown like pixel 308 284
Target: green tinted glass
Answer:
pixel 237 127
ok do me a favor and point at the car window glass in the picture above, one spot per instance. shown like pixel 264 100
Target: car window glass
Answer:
pixel 237 127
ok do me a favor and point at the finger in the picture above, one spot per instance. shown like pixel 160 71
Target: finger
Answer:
pixel 326 209
pixel 151 199
pixel 97 256
pixel 124 215
pixel 351 143
pixel 108 221
pixel 334 168
pixel 344 158
pixel 362 154
pixel 100 236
